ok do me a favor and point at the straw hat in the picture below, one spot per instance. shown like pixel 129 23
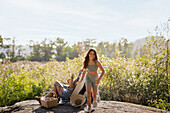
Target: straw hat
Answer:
pixel 77 100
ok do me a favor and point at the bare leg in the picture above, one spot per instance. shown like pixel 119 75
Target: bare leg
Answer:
pixel 56 90
pixel 88 88
pixel 38 99
pixel 71 81
pixel 94 94
pixel 94 97
pixel 51 93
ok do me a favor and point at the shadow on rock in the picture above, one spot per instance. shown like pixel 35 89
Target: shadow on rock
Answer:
pixel 61 108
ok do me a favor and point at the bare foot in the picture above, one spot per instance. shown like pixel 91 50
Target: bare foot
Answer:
pixel 38 99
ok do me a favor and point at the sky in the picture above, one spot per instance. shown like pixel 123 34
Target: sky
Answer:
pixel 78 20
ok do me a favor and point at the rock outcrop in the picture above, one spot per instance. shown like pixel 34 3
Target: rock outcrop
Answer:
pixel 30 106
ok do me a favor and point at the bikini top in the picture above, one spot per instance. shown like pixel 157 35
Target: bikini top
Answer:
pixel 92 68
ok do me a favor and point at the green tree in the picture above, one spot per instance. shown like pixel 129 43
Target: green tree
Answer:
pixel 11 49
pixel 47 49
pixel 20 53
pixel 101 48
pixel 157 78
pixel 60 44
pixel 1 41
pixel 106 49
pixel 89 43
pixel 36 53
pixel 2 55
pixel 110 49
pixel 71 52
pixel 125 48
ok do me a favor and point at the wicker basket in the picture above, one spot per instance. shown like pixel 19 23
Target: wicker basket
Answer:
pixel 49 103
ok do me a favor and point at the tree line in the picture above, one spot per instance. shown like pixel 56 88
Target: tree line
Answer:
pixel 60 50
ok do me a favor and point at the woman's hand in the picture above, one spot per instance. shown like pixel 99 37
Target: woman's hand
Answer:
pixel 97 82
pixel 72 75
pixel 78 82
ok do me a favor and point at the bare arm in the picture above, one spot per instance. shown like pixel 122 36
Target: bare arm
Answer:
pixel 71 81
pixel 77 79
pixel 84 72
pixel 102 69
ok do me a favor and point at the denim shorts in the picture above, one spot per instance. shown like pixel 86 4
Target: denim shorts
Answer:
pixel 65 94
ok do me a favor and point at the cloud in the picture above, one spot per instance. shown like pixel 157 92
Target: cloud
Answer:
pixel 90 10
pixel 81 18
pixel 32 4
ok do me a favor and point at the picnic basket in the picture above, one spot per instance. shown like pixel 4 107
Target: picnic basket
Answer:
pixel 53 102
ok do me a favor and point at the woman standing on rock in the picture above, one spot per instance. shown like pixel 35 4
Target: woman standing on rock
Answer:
pixel 90 66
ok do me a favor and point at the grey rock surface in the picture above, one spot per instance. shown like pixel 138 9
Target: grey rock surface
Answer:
pixel 32 106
